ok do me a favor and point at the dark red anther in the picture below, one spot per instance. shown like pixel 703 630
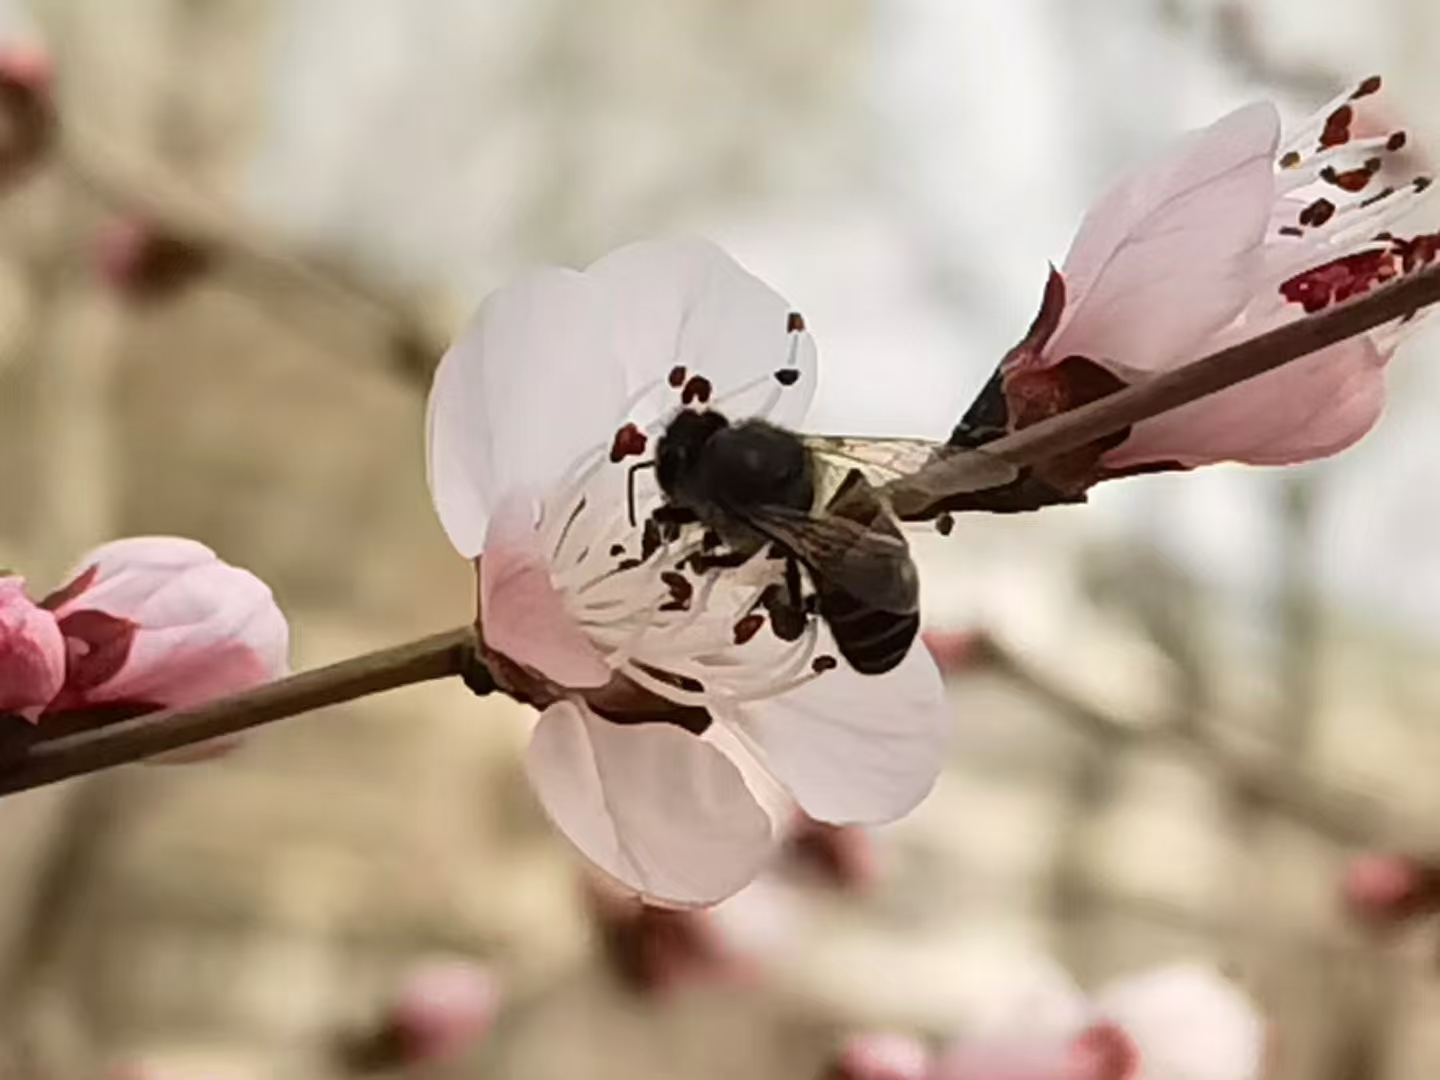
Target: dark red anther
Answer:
pixel 697 389
pixel 680 591
pixel 1337 127
pixel 1420 183
pixel 795 323
pixel 1291 230
pixel 1290 159
pixel 824 663
pixel 1317 213
pixel 748 627
pixel 787 376
pixel 1351 180
pixel 630 441
pixel 1340 279
pixel 1366 88
pixel 1395 142
pixel 945 524
pixel 677 376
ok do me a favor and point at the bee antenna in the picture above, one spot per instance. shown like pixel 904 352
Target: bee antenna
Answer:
pixel 630 488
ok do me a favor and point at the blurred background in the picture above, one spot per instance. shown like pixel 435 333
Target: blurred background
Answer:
pixel 223 286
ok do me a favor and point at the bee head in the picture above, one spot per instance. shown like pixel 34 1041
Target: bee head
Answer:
pixel 678 451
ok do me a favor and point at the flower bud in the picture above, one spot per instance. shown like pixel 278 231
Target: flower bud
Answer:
pixel 32 652
pixel 162 622
pixel 440 1007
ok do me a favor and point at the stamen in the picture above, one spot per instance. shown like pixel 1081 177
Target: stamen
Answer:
pixel 677 376
pixel 945 524
pixel 565 529
pixel 630 441
pixel 697 388
pixel 823 664
pixel 748 627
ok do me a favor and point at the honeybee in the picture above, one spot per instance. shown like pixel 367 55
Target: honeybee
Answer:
pixel 815 501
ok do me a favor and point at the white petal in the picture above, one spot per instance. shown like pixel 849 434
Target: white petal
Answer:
pixel 522 614
pixel 530 384
pixel 1189 1024
pixel 658 809
pixel 856 748
pixel 687 303
pixel 1168 255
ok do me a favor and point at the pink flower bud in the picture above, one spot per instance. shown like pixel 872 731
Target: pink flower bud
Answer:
pixel 27 112
pixel 444 1006
pixel 1384 890
pixel 880 1056
pixel 32 652
pixel 440 1008
pixel 144 262
pixel 161 622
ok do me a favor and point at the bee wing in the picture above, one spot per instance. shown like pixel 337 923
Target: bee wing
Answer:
pixel 871 564
pixel 914 472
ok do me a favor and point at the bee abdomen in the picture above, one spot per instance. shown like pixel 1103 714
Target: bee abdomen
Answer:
pixel 871 640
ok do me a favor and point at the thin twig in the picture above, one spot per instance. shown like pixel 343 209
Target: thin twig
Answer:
pixel 46 761
pixel 1071 430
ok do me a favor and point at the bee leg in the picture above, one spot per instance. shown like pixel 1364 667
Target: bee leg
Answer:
pixel 630 488
pixel 723 560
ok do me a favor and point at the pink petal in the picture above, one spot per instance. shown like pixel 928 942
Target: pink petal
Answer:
pixel 687 304
pixel 1034 1058
pixel 522 614
pixel 532 382
pixel 853 748
pixel 1189 1024
pixel 661 811
pixel 1168 256
pixel 32 652
pixel 1306 410
pixel 163 621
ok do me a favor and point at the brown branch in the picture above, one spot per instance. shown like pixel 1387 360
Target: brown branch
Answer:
pixel 47 760
pixel 974 469
pixel 52 757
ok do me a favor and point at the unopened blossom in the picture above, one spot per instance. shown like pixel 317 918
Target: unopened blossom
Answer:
pixel 1178 1023
pixel 161 622
pixel 1385 890
pixel 32 652
pixel 147 262
pixel 28 120
pixel 1231 233
pixel 680 726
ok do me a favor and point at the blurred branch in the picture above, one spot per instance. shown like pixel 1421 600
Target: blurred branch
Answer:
pixel 152 193
pixel 48 757
pixel 1340 815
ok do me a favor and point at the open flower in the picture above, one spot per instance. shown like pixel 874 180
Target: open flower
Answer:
pixel 678 723
pixel 161 622
pixel 1178 1023
pixel 1229 234
pixel 32 652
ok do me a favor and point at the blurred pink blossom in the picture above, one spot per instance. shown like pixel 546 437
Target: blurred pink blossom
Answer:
pixel 32 652
pixel 1387 890
pixel 27 111
pixel 1179 1023
pixel 1228 234
pixel 439 1008
pixel 880 1056
pixel 145 262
